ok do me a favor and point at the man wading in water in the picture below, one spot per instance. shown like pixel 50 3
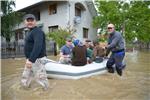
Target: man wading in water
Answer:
pixel 35 52
pixel 116 45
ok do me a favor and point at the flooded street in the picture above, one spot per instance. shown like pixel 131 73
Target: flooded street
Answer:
pixel 134 85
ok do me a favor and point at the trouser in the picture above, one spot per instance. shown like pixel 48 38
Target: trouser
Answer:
pixel 117 59
pixel 66 60
pixel 98 59
pixel 38 72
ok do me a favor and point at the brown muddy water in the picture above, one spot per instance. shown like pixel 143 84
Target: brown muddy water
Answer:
pixel 133 85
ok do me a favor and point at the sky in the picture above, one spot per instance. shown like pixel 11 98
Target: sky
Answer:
pixel 24 3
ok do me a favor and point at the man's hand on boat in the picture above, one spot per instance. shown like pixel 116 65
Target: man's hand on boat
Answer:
pixel 67 56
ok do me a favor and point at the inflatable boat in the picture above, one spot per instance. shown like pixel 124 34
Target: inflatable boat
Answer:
pixel 63 71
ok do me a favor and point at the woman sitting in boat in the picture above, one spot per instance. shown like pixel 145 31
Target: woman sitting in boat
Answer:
pixel 65 52
pixel 98 52
pixel 79 54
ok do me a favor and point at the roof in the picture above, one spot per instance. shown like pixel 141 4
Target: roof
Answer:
pixel 39 3
pixel 92 8
pixel 33 5
pixel 89 4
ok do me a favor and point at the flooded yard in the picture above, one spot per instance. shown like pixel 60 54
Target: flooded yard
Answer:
pixel 133 85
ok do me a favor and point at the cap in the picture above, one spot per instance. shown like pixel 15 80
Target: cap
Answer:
pixel 68 39
pixel 27 16
pixel 76 42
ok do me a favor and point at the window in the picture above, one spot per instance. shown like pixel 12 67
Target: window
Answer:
pixel 19 35
pixel 77 11
pixel 16 36
pixel 52 9
pixel 53 28
pixel 85 33
pixel 36 13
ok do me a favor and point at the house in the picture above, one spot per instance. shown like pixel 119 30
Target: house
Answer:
pixel 52 15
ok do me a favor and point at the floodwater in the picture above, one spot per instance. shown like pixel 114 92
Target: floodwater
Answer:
pixel 133 85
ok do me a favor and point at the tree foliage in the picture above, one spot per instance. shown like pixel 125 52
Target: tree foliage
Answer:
pixel 109 12
pixel 59 36
pixel 139 20
pixel 132 18
pixel 9 19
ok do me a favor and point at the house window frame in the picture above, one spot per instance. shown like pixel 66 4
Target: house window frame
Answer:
pixel 78 11
pixel 52 9
pixel 38 16
pixel 53 28
pixel 85 32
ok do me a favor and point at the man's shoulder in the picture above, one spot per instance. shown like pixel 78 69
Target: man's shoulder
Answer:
pixel 63 47
pixel 37 29
pixel 117 33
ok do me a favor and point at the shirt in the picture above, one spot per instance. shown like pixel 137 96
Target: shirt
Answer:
pixel 35 46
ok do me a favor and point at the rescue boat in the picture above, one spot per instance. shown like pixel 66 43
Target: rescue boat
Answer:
pixel 63 71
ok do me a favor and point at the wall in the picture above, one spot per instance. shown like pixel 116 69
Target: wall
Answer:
pixel 65 16
pixel 60 18
pixel 86 22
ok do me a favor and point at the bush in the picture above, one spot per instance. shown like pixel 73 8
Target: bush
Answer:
pixel 59 36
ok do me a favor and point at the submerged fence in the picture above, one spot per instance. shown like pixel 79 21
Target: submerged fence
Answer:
pixel 15 49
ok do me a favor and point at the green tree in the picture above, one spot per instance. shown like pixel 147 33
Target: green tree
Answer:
pixel 110 12
pixel 139 21
pixel 59 36
pixel 131 17
pixel 9 19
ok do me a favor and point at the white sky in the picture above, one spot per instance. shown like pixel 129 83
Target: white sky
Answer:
pixel 24 3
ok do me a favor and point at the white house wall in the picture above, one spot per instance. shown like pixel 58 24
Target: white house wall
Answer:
pixel 86 22
pixel 60 18
pixel 65 16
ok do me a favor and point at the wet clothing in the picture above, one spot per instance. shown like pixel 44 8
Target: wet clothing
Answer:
pixel 116 45
pixel 35 51
pixel 38 71
pixel 116 58
pixel 35 46
pixel 79 56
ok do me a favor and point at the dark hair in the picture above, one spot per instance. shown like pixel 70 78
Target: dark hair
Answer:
pixel 87 40
pixel 95 43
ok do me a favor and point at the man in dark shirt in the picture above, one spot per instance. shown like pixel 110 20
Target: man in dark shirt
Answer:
pixel 35 52
pixel 79 54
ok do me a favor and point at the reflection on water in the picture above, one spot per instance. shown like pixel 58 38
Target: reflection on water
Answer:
pixel 134 85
